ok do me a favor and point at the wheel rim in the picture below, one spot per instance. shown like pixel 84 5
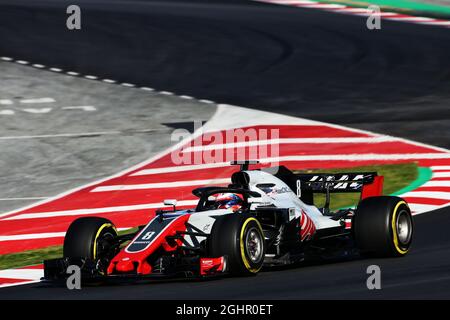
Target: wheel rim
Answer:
pixel 254 245
pixel 104 244
pixel 404 227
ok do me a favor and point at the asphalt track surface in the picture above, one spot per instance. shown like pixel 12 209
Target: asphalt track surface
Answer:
pixel 90 131
pixel 308 63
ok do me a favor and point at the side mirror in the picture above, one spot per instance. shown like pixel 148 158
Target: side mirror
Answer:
pixel 171 202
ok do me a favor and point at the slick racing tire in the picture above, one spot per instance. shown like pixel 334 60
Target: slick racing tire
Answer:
pixel 383 227
pixel 240 238
pixel 90 238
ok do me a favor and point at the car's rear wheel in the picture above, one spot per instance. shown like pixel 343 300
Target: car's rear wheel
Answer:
pixel 91 238
pixel 240 238
pixel 383 226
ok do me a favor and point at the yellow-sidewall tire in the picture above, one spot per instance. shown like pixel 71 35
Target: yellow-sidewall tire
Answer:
pixel 81 240
pixel 383 226
pixel 230 236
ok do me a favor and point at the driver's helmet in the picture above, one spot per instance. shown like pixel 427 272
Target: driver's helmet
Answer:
pixel 229 200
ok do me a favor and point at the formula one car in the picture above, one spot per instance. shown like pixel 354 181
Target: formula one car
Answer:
pixel 261 219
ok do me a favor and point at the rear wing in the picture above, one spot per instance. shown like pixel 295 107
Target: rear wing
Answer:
pixel 334 182
pixel 306 184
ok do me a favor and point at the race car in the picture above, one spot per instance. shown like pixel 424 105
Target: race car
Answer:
pixel 263 218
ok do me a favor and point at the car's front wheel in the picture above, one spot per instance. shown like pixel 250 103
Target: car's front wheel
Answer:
pixel 240 238
pixel 91 238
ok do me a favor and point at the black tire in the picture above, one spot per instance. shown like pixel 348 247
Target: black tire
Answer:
pixel 91 238
pixel 383 226
pixel 240 238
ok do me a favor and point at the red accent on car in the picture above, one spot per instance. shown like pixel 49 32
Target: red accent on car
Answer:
pixel 374 189
pixel 210 266
pixel 307 227
pixel 125 266
pixel 144 268
pixel 126 262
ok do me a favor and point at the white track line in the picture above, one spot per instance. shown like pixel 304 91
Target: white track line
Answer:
pixel 354 10
pixel 25 274
pixel 437 183
pixel 428 195
pixel 206 101
pixel 161 185
pixel 324 6
pixel 61 135
pixel 84 108
pixel 23 199
pixel 254 143
pixel 45 235
pixel 31 236
pixel 180 168
pixel 5 102
pixel 439 23
pixel 440 168
pixel 359 157
pixel 19 283
pixel 412 19
pixel 366 13
pixel 418 208
pixel 445 174
pixel 38 100
pixel 80 212
pixel 38 111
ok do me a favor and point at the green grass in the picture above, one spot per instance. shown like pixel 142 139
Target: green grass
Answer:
pixel 33 257
pixel 29 257
pixel 396 177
